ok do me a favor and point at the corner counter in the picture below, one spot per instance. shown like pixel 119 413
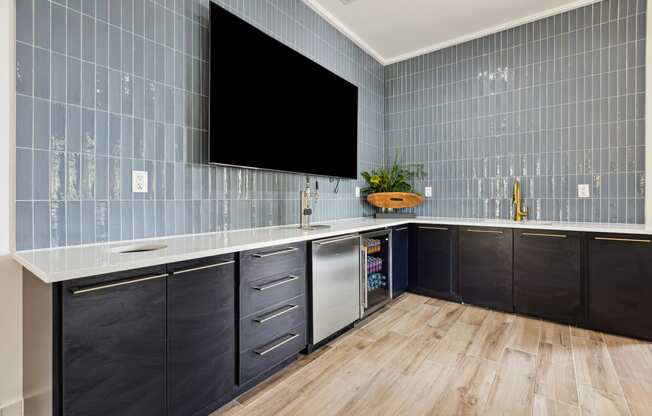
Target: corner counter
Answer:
pixel 66 263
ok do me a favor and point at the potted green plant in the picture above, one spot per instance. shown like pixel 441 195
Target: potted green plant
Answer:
pixel 391 189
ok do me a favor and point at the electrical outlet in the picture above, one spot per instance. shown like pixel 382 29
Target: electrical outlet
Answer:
pixel 357 192
pixel 583 191
pixel 428 191
pixel 139 182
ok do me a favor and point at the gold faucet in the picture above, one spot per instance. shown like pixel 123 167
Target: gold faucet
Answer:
pixel 519 213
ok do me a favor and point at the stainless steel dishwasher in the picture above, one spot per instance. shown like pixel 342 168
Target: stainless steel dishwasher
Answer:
pixel 335 285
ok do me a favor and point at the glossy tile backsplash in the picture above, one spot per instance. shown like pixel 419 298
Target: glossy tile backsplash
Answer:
pixel 557 103
pixel 107 87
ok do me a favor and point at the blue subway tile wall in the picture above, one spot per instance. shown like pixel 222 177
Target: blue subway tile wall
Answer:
pixel 555 103
pixel 107 87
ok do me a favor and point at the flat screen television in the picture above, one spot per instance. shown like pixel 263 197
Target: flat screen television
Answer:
pixel 273 108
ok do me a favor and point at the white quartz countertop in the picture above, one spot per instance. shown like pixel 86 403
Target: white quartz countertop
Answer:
pixel 66 263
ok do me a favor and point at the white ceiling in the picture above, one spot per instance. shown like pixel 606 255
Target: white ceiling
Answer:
pixel 394 30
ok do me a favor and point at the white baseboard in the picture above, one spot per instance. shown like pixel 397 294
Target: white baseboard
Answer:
pixel 14 409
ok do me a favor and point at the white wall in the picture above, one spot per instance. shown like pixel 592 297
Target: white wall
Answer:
pixel 7 100
pixel 648 122
pixel 11 331
pixel 11 336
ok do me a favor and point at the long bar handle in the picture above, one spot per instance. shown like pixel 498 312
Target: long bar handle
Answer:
pixel 276 283
pixel 275 314
pixel 336 240
pixel 623 240
pixel 115 284
pixel 275 253
pixel 266 350
pixel 434 228
pixel 545 235
pixel 401 229
pixel 470 230
pixel 195 269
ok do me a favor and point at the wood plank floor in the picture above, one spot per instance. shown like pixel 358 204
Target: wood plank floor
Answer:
pixel 424 356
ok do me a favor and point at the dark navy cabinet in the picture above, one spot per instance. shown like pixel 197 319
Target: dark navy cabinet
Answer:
pixel 201 335
pixel 485 267
pixel 184 338
pixel 547 274
pixel 436 261
pixel 272 311
pixel 153 341
pixel 400 259
pixel 113 344
pixel 620 284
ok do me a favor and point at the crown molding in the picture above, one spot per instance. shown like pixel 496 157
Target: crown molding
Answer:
pixel 334 21
pixel 491 30
pixel 319 9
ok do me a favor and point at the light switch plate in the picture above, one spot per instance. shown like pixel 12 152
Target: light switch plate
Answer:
pixel 583 191
pixel 428 191
pixel 357 192
pixel 139 182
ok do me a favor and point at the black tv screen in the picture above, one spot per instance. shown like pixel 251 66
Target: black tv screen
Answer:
pixel 273 108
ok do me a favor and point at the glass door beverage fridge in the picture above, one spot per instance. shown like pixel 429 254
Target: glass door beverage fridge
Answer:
pixel 376 271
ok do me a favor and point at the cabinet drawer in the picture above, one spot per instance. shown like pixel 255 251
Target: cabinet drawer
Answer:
pixel 259 294
pixel 256 264
pixel 261 326
pixel 256 361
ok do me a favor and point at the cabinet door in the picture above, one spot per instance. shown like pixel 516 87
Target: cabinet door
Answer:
pixel 620 284
pixel 400 237
pixel 436 261
pixel 113 344
pixel 547 275
pixel 201 335
pixel 485 267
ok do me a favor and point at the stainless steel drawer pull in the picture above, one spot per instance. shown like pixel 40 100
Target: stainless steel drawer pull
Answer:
pixel 545 235
pixel 402 229
pixel 224 263
pixel 276 283
pixel 623 240
pixel 275 253
pixel 336 240
pixel 266 349
pixel 115 284
pixel 484 231
pixel 434 228
pixel 275 314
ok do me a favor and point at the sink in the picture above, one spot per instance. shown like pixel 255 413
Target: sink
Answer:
pixel 137 248
pixel 309 228
pixel 316 227
pixel 536 222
